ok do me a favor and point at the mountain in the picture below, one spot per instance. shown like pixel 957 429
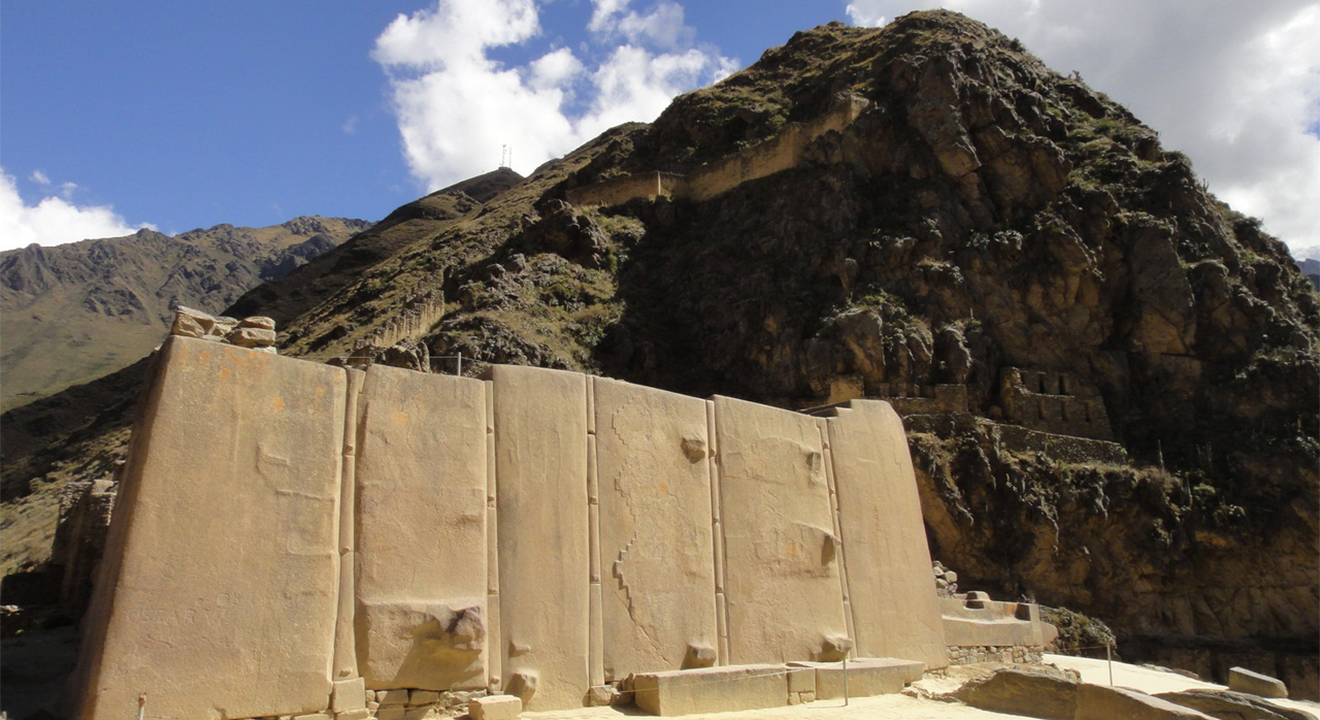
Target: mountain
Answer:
pixel 1108 375
pixel 1310 267
pixel 75 312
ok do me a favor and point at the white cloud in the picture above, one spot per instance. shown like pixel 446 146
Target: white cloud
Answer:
pixel 866 13
pixel 456 105
pixel 1234 85
pixel 53 220
pixel 663 26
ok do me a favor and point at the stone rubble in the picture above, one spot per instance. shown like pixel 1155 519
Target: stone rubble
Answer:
pixel 946 580
pixel 256 332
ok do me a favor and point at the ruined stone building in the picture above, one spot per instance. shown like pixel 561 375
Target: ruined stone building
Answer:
pixel 290 536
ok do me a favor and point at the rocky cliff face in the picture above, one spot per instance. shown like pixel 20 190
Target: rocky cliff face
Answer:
pixel 981 214
pixel 74 312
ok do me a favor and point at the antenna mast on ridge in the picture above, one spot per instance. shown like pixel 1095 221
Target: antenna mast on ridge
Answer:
pixel 506 156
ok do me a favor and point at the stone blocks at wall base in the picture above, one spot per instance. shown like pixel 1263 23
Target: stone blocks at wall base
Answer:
pixel 758 687
pixel 495 707
pixel 347 696
pixel 1016 654
pixel 866 676
pixel 706 690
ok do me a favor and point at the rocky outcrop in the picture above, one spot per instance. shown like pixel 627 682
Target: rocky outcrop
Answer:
pixel 981 214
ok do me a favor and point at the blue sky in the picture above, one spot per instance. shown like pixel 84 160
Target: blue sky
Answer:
pixel 182 115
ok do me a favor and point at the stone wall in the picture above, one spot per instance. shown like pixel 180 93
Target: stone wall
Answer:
pixel 1018 439
pixel 1053 402
pixel 906 398
pixel 294 539
pixel 84 519
pixel 618 190
pixel 782 152
pixel 979 629
pixel 419 312
pixel 1017 654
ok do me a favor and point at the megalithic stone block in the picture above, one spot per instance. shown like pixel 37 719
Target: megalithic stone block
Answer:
pixel 218 593
pixel 655 529
pixel 544 554
pixel 896 612
pixel 421 548
pixel 781 570
pixel 711 690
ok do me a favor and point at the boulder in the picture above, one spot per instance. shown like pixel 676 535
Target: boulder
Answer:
pixel 495 707
pixel 1099 702
pixel 1248 681
pixel 250 337
pixel 257 321
pixel 191 323
pixel 1229 705
pixel 1040 692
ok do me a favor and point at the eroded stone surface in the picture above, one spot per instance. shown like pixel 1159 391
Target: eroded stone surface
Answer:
pixel 1097 702
pixel 895 610
pixel 1229 705
pixel 781 565
pixel 1036 692
pixel 655 529
pixel 541 473
pixel 421 545
pixel 197 585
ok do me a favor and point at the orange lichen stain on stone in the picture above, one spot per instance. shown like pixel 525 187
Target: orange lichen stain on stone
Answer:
pixel 664 486
pixel 400 418
pixel 277 402
pixel 225 373
pixel 792 550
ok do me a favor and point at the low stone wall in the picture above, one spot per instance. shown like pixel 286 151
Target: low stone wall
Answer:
pixel 85 510
pixel 1018 439
pixel 1018 654
pixel 1065 448
pixel 618 190
pixel 782 152
pixel 907 399
pixel 979 629
pixel 419 313
pixel 1053 402
pixel 913 399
